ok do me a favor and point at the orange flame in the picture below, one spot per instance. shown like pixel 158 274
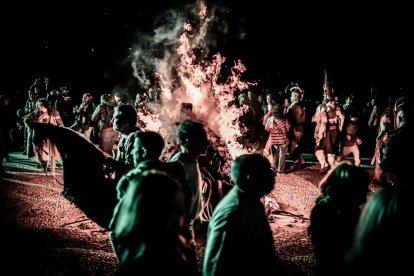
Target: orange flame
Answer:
pixel 200 81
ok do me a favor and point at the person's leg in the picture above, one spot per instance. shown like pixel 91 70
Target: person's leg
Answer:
pixel 320 155
pixel 296 147
pixel 275 154
pixel 331 143
pixel 331 160
pixel 25 137
pixel 344 153
pixel 282 158
pixel 355 151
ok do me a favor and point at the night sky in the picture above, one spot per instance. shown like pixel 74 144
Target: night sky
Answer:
pixel 87 47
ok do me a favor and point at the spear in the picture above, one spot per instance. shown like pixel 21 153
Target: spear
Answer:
pixel 326 87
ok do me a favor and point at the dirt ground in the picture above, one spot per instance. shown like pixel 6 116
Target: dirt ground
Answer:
pixel 44 234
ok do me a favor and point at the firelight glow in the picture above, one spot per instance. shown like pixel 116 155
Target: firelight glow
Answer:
pixel 185 74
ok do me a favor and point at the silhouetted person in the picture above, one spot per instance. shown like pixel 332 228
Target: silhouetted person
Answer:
pixel 350 140
pixel 334 217
pixel 386 127
pixel 83 114
pixel 239 239
pixel 149 226
pixel 296 115
pixel 103 132
pixel 46 150
pixel 29 107
pixel 365 130
pixel 146 153
pixel 193 142
pixel 247 121
pixel 399 146
pixel 39 87
pixel 124 122
pixel 384 238
pixel 147 146
pixel 121 98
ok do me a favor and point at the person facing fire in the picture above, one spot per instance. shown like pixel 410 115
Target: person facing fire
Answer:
pixel 124 123
pixel 148 229
pixel 83 113
pixel 103 133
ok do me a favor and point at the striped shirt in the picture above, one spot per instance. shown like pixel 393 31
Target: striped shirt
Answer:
pixel 278 129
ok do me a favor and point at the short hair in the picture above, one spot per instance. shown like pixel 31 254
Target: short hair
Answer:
pixel 128 112
pixel 249 168
pixel 192 134
pixel 44 102
pixel 277 110
pixel 152 210
pixel 152 141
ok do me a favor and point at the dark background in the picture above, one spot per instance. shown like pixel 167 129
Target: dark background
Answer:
pixel 85 46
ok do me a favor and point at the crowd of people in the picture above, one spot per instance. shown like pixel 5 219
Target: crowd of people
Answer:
pixel 160 209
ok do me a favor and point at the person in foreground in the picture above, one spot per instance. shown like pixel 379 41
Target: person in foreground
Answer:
pixel 239 238
pixel 393 163
pixel 149 225
pixel 384 239
pixel 193 141
pixel 146 153
pixel 335 215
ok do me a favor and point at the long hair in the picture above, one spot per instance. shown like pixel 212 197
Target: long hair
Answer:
pixel 346 184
